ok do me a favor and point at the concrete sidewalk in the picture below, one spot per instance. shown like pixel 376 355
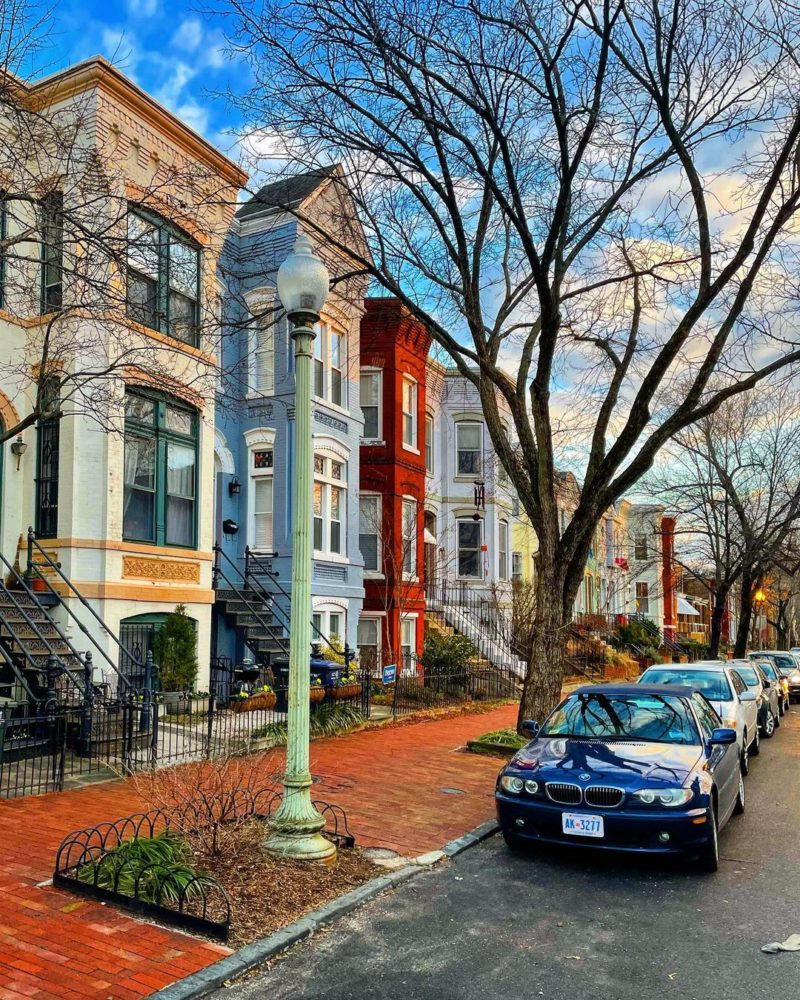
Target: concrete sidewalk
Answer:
pixel 404 787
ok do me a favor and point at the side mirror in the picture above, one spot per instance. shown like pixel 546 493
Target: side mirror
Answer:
pixel 530 728
pixel 722 737
pixel 747 696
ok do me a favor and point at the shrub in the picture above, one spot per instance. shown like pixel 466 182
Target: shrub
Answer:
pixel 327 720
pixel 448 657
pixel 175 652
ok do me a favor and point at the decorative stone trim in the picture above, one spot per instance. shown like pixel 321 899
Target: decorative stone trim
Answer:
pixel 142 568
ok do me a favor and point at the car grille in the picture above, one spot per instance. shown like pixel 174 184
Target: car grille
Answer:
pixel 604 796
pixel 566 795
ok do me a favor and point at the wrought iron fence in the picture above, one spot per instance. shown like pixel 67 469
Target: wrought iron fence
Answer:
pixel 417 689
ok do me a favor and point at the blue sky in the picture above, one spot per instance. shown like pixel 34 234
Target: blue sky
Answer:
pixel 167 46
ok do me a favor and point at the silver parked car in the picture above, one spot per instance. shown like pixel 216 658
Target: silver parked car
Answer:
pixel 767 694
pixel 787 663
pixel 727 692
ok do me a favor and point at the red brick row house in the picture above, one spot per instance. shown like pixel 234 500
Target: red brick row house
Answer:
pixel 394 350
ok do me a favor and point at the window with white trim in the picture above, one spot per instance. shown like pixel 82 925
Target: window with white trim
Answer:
pixel 261 499
pixel 369 531
pixel 263 341
pixel 409 540
pixel 409 408
pixel 368 640
pixel 329 626
pixel 643 597
pixel 408 644
pixel 469 549
pixel 640 548
pixel 503 550
pixel 330 483
pixel 371 390
pixel 429 443
pixel 330 364
pixel 469 448
pixel 516 565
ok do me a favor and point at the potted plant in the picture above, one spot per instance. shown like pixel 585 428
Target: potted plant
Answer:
pixel 175 653
pixel 348 686
pixel 316 692
pixel 264 698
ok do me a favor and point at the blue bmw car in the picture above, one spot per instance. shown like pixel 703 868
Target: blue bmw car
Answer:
pixel 625 767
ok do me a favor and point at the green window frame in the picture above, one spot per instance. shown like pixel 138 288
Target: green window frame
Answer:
pixel 163 277
pixel 52 270
pixel 160 471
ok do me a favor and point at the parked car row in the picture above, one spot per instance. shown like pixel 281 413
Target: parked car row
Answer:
pixel 656 766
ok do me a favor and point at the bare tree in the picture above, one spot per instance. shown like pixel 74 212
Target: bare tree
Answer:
pixel 547 185
pixel 734 476
pixel 82 279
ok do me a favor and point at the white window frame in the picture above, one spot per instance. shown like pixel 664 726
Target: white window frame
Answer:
pixel 479 472
pixel 376 373
pixel 408 621
pixel 373 574
pixel 412 384
pixel 259 439
pixel 328 483
pixel 479 574
pixel 502 550
pixel 378 620
pixel 641 542
pixel 324 607
pixel 643 600
pixel 409 502
pixel 323 355
pixel 516 566
pixel 430 458
pixel 261 339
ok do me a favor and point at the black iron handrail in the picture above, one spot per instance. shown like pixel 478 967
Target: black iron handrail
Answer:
pixel 56 567
pixel 20 640
pixel 240 595
pixel 249 575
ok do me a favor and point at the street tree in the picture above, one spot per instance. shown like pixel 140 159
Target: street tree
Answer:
pixel 592 206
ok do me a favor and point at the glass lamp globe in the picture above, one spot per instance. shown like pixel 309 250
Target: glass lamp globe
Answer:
pixel 303 282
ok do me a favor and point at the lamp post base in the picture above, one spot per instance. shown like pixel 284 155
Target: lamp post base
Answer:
pixel 295 829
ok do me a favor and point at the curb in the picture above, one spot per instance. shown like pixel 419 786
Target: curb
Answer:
pixel 214 977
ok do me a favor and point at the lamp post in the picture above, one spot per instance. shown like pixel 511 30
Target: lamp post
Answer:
pixel 303 283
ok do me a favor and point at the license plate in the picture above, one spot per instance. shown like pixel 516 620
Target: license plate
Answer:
pixel 581 825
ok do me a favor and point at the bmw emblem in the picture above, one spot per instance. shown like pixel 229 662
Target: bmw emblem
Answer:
pixel 584 776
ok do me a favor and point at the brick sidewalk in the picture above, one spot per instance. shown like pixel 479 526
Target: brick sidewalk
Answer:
pixel 403 787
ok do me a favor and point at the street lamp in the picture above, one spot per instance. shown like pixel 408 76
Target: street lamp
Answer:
pixel 295 830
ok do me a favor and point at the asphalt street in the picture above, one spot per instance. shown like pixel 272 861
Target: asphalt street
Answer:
pixel 573 926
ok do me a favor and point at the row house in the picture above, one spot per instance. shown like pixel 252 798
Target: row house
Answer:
pixel 118 330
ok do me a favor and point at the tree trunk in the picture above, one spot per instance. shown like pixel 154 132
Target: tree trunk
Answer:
pixel 717 617
pixel 745 614
pixel 542 689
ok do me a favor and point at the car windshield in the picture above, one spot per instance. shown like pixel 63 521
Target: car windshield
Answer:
pixel 654 718
pixel 713 684
pixel 749 675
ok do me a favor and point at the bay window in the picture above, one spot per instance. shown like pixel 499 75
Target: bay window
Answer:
pixel 330 365
pixel 369 531
pixel 469 448
pixel 409 407
pixel 370 391
pixel 469 549
pixel 329 506
pixel 160 499
pixel 163 277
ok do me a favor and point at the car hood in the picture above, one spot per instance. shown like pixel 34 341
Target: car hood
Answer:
pixel 632 763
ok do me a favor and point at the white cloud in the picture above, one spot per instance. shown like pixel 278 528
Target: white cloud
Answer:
pixel 188 35
pixel 142 8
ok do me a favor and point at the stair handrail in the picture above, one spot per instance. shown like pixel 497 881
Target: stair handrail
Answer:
pixel 240 595
pixel 469 607
pixel 254 557
pixel 42 638
pixel 56 567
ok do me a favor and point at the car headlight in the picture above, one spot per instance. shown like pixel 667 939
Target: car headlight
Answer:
pixel 509 784
pixel 531 787
pixel 664 796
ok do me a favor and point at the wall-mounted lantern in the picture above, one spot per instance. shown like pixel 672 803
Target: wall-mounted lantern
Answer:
pixel 18 449
pixel 234 487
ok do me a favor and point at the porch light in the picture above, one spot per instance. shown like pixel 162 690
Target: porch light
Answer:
pixel 234 487
pixel 18 449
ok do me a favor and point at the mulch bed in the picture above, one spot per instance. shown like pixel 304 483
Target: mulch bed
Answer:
pixel 267 893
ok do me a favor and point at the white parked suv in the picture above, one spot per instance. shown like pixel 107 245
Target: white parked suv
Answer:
pixel 727 692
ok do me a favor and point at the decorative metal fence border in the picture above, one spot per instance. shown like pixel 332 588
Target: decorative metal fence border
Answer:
pixel 88 850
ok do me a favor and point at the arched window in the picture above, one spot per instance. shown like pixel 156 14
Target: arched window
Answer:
pixel 160 497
